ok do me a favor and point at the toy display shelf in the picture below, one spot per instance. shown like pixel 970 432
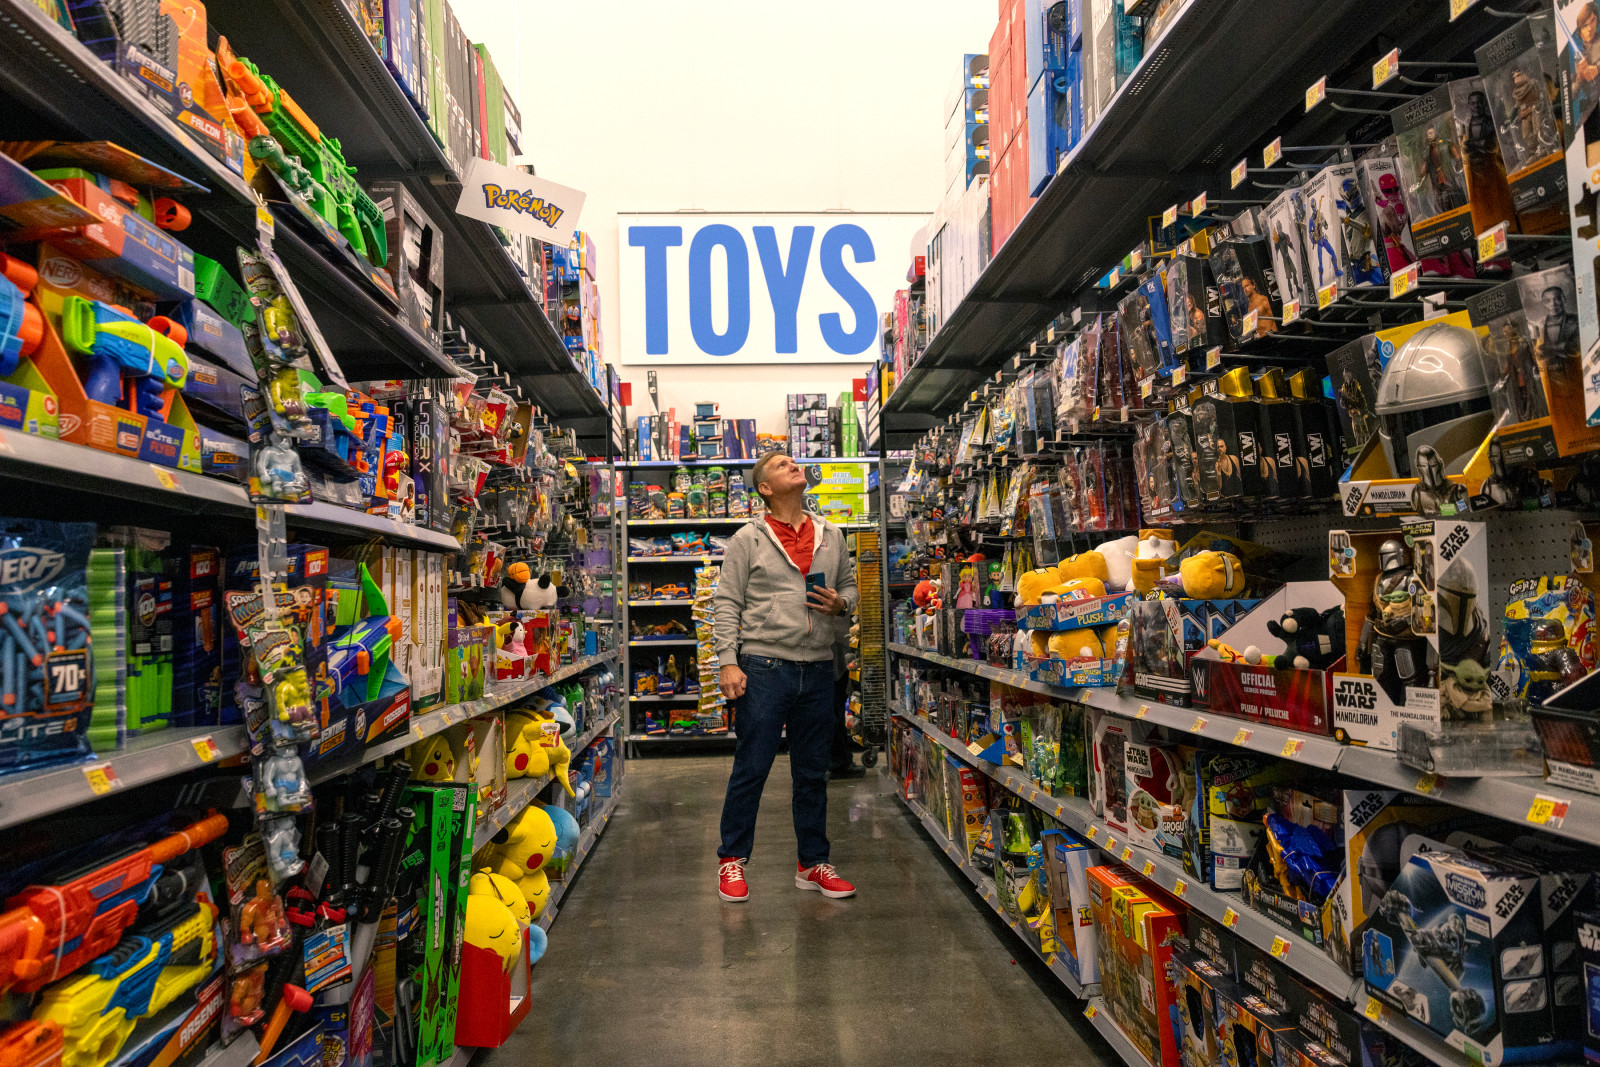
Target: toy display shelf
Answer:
pixel 665 600
pixel 1520 799
pixel 315 50
pixel 679 739
pixel 1229 909
pixel 675 698
pixel 675 559
pixel 586 842
pixel 436 720
pixel 984 884
pixel 667 464
pixel 685 522
pixel 520 792
pixel 149 489
pixel 669 641
pixel 1185 115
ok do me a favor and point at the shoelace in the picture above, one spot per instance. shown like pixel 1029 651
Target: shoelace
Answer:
pixel 732 870
pixel 825 872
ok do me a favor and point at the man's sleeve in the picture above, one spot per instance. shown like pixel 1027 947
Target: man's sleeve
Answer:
pixel 847 578
pixel 727 607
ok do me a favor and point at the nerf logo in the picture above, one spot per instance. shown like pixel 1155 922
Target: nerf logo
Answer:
pixel 1464 890
pixel 1355 695
pixel 26 568
pixel 523 201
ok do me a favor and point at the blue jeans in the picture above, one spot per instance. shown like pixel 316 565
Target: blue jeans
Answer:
pixel 779 693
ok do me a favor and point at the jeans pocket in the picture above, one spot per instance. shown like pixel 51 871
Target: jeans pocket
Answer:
pixel 757 663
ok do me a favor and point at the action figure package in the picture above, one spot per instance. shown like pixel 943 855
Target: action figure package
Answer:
pixel 1152 465
pixel 1433 181
pixel 1185 468
pixel 1198 977
pixel 1577 31
pixel 1285 454
pixel 1108 795
pixel 1194 327
pixel 1531 360
pixel 1162 636
pixel 1357 226
pixel 1378 177
pixel 1157 795
pixel 1549 640
pixel 1241 262
pixel 1519 78
pixel 1247 1030
pixel 1317 428
pixel 1136 318
pixel 1487 190
pixel 1285 221
pixel 1326 229
pixel 1067 859
pixel 1354 372
pixel 1223 822
pixel 1154 288
pixel 1227 410
pixel 1317 1015
pixel 1457 943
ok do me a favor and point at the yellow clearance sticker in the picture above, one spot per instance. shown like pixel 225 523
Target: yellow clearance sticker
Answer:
pixel 1169 217
pixel 1241 735
pixel 1292 747
pixel 1149 868
pixel 1316 92
pixel 1459 6
pixel 1198 725
pixel 1327 294
pixel 1251 319
pixel 1548 811
pixel 1279 948
pixel 1127 854
pixel 1492 243
pixel 1179 888
pixel 1291 311
pixel 1197 205
pixel 1214 358
pixel 1402 282
pixel 1273 152
pixel 1230 918
pixel 164 477
pixel 102 778
pixel 1386 68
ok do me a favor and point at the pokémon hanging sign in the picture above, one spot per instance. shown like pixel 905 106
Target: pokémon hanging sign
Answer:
pixel 512 198
pixel 757 288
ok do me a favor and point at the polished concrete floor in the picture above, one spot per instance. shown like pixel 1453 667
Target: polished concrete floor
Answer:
pixel 647 966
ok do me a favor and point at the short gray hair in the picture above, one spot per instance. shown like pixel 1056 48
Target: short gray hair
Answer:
pixel 758 473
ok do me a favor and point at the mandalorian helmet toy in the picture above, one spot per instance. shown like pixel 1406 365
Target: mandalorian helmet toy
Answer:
pixel 1463 630
pixel 1433 394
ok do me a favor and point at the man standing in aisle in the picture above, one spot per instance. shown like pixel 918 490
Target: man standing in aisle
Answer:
pixel 785 580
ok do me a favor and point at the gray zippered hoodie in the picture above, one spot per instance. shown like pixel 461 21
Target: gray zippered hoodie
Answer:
pixel 760 608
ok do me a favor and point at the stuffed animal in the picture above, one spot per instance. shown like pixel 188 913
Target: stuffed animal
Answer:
pixel 491 916
pixel 926 594
pixel 520 851
pixel 1038 642
pixel 432 760
pixel 519 589
pixel 1212 575
pixel 1118 555
pixel 1315 639
pixel 1074 589
pixel 558 756
pixel 1150 557
pixel 526 756
pixel 1084 565
pixel 1031 585
pixel 1076 644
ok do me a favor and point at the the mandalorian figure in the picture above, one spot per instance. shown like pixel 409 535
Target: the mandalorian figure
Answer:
pixel 1463 628
pixel 1391 648
pixel 1435 494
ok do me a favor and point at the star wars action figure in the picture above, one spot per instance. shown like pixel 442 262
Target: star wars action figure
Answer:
pixel 1434 493
pixel 1391 648
pixel 1517 384
pixel 1555 340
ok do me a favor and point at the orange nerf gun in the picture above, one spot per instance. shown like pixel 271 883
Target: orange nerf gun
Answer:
pixel 49 931
pixel 31 1044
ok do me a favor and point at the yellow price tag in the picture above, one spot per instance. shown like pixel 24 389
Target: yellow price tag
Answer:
pixel 1428 784
pixel 1230 918
pixel 1111 844
pixel 1198 204
pixel 164 477
pixel 1251 319
pixel 416 731
pixel 1241 735
pixel 1180 374
pixel 1279 948
pixel 1144 709
pixel 1114 278
pixel 1127 854
pixel 1316 92
pixel 1136 259
pixel 1236 175
pixel 1273 152
pixel 1386 68
pixel 1292 747
pixel 102 778
pixel 1169 217
pixel 1374 1009
pixel 1149 868
pixel 266 225
pixel 1402 282
pixel 1458 6
pixel 1090 1012
pixel 974 748
pixel 1492 243
pixel 1291 311
pixel 1214 358
pixel 1547 811
pixel 205 748
pixel 1327 294
pixel 1146 387
pixel 1198 725
pixel 1179 888
pixel 1059 810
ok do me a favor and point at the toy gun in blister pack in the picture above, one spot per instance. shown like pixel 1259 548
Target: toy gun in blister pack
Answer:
pixel 320 174
pixel 49 931
pixel 119 346
pixel 146 971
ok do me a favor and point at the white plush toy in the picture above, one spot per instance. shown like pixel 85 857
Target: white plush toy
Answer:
pixel 1119 562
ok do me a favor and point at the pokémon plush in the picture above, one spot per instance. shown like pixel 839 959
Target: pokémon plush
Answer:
pixel 432 760
pixel 519 853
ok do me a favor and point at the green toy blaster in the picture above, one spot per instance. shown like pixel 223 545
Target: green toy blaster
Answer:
pixel 119 346
pixel 358 651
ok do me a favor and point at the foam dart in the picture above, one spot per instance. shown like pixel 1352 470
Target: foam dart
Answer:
pixel 293 1001
pixel 171 215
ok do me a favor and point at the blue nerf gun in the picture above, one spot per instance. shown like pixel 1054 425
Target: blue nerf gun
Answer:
pixel 119 346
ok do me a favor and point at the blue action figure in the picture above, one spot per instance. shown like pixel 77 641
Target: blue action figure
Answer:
pixel 1357 235
pixel 1317 234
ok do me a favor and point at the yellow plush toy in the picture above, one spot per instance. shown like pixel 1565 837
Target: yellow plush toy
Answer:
pixel 1212 575
pixel 1076 589
pixel 1032 584
pixel 1085 565
pixel 558 757
pixel 491 916
pixel 1150 558
pixel 1040 640
pixel 519 853
pixel 431 760
pixel 526 756
pixel 1076 644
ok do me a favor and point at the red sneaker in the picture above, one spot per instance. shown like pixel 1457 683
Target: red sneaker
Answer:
pixel 731 885
pixel 824 879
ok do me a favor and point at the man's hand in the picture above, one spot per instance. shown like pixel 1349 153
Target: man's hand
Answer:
pixel 731 682
pixel 825 600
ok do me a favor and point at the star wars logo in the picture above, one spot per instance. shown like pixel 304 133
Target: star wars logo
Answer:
pixel 1453 543
pixel 1589 937
pixel 1352 499
pixel 1353 694
pixel 1508 904
pixel 1365 810
pixel 1464 891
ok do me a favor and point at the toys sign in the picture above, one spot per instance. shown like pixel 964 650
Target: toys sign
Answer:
pixel 512 198
pixel 757 288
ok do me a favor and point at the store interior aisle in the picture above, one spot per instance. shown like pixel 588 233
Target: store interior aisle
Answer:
pixel 647 965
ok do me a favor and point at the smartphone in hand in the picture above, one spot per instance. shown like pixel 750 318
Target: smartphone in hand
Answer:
pixel 816 580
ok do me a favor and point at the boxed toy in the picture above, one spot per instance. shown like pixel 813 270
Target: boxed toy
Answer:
pixel 1354 371
pixel 1198 977
pixel 1067 858
pixel 1248 1030
pixel 1297 860
pixel 1517 67
pixel 1285 220
pixel 1230 795
pixel 1163 636
pixel 1108 790
pixel 1137 925
pixel 1157 800
pixel 1317 1013
pixel 1457 943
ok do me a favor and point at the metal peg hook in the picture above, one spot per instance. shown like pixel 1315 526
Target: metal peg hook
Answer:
pixel 1359 110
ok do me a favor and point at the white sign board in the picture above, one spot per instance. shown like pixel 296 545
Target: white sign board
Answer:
pixel 757 288
pixel 516 200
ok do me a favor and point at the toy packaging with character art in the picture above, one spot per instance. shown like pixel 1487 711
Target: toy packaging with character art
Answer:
pixel 1067 859
pixel 1337 237
pixel 1195 324
pixel 1137 924
pixel 1433 181
pixel 1241 262
pixel 1488 193
pixel 1285 222
pixel 1577 32
pixel 1519 79
pixel 1354 372
pixel 1378 177
pixel 1160 788
pixel 1136 319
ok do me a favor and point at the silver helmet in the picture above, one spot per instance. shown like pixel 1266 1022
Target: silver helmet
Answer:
pixel 1433 394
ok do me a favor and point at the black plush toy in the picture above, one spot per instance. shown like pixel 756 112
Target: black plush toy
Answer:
pixel 1315 638
pixel 520 589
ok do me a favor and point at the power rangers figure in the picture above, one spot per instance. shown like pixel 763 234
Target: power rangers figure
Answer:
pixel 1317 237
pixel 1357 235
pixel 1434 493
pixel 1391 649
pixel 1394 222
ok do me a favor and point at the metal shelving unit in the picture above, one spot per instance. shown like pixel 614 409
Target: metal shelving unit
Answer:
pixel 586 843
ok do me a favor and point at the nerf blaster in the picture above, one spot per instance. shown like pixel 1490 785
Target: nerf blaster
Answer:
pixel 21 324
pixel 120 346
pixel 145 972
pixel 331 190
pixel 49 931
pixel 358 656
pixel 31 1044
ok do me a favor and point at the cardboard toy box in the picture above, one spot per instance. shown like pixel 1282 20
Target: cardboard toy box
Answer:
pixel 1317 1014
pixel 1232 792
pixel 1076 614
pixel 1137 923
pixel 1198 980
pixel 1154 775
pixel 1067 858
pixel 1458 945
pixel 1164 635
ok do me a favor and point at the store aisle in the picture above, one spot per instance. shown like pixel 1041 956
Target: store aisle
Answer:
pixel 647 966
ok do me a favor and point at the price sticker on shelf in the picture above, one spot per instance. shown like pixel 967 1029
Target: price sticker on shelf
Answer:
pixel 1050 960
pixel 1547 811
pixel 1146 387
pixel 1127 854
pixel 1385 69
pixel 1135 259
pixel 416 731
pixel 1169 217
pixel 1179 888
pixel 1230 918
pixel 1059 810
pixel 1291 311
pixel 1214 358
pixel 1090 1012
pixel 1242 735
pixel 1428 784
pixel 164 477
pixel 1279 948
pixel 1492 243
pixel 1144 709
pixel 1316 92
pixel 1180 374
pixel 206 748
pixel 1197 205
pixel 1111 844
pixel 1093 832
pixel 1236 175
pixel 1114 279
pixel 1374 1009
pixel 1292 747
pixel 1402 282
pixel 1459 6
pixel 1149 868
pixel 102 778
pixel 1198 725
pixel 975 748
pixel 1272 153
pixel 1327 294
pixel 1251 319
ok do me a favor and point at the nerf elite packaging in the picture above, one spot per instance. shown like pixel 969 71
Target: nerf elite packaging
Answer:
pixel 1518 71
